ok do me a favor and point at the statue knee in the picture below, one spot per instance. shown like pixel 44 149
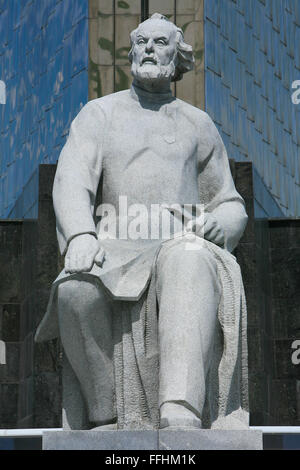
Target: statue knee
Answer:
pixel 74 292
pixel 192 257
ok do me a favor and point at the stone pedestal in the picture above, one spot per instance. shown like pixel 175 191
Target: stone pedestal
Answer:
pixel 210 439
pixel 178 439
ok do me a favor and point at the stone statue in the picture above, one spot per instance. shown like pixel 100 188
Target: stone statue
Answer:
pixel 153 327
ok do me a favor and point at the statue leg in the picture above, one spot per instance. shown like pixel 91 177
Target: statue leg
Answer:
pixel 188 297
pixel 85 322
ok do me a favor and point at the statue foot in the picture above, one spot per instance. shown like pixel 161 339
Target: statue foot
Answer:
pixel 173 415
pixel 106 427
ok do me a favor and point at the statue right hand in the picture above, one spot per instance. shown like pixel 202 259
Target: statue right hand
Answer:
pixel 83 251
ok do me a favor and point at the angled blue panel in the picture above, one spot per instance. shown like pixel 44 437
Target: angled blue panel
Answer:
pixel 79 40
pixel 257 65
pixel 66 20
pixel 67 61
pixel 80 92
pixel 297 13
pixel 79 10
pixel 16 13
pixel 58 89
pixel 67 108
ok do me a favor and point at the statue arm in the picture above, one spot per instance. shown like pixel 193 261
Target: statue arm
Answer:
pixel 77 176
pixel 218 190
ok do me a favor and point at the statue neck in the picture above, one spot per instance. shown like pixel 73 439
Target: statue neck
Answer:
pixel 140 91
pixel 155 86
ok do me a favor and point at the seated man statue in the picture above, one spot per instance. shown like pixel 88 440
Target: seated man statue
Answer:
pixel 153 326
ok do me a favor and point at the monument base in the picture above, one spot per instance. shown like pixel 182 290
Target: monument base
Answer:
pixel 175 439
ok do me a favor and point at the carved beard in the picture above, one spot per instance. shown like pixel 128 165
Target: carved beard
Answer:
pixel 153 72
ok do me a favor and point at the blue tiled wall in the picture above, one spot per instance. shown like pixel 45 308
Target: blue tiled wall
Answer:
pixel 252 56
pixel 44 63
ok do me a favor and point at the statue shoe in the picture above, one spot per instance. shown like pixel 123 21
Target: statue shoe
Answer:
pixel 178 416
pixel 106 427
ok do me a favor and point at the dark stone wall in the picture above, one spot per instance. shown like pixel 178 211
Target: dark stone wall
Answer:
pixel 285 279
pixel 30 390
pixel 252 255
pixel 46 359
pixel 30 383
pixel 269 254
pixel 11 295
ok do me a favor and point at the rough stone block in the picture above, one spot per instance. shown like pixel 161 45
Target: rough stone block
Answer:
pixel 10 322
pixel 244 179
pixel 100 440
pixel 47 403
pixel 210 439
pixel 283 402
pixel 9 397
pixel 10 261
pixel 285 272
pixel 202 439
pixel 46 178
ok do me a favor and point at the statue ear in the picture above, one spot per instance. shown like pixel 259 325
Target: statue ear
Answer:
pixel 130 54
pixel 132 41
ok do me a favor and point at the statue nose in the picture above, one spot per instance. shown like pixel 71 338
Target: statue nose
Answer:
pixel 149 45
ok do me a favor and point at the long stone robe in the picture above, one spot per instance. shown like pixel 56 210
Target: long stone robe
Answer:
pixel 153 149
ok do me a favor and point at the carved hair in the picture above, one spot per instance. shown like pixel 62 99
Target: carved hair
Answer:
pixel 185 57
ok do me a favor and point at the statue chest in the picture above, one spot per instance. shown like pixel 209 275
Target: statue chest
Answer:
pixel 150 154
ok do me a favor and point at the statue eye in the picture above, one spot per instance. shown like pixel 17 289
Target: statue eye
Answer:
pixel 161 42
pixel 141 41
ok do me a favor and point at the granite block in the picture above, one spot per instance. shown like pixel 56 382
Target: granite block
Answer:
pixel 10 261
pixel 283 402
pixel 10 322
pixel 10 370
pixel 100 440
pixel 47 402
pixel 284 232
pixel 9 412
pixel 27 316
pixel 47 356
pixel 284 368
pixel 286 272
pixel 253 304
pixel 210 439
pixel 286 317
pixel 244 179
pixel 46 179
pixel 246 258
pixel 177 439
pixel 258 397
pixel 255 353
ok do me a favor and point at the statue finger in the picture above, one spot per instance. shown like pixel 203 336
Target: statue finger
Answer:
pixel 191 226
pixel 220 239
pixel 212 234
pixel 99 258
pixel 208 228
pixel 67 264
pixel 84 263
pixel 74 264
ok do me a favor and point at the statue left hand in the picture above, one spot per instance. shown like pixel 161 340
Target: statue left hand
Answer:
pixel 208 225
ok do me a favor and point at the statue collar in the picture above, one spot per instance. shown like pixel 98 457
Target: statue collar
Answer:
pixel 138 94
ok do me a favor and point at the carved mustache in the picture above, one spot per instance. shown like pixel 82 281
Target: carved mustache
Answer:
pixel 149 59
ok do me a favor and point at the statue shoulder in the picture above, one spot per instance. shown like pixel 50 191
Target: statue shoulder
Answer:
pixel 108 101
pixel 196 115
pixel 100 109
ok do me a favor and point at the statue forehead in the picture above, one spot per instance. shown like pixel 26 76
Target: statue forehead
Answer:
pixel 153 27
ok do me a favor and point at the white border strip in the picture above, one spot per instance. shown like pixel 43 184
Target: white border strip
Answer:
pixel 277 429
pixel 40 431
pixel 26 432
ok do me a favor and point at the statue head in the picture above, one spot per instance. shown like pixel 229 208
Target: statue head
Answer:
pixel 158 51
